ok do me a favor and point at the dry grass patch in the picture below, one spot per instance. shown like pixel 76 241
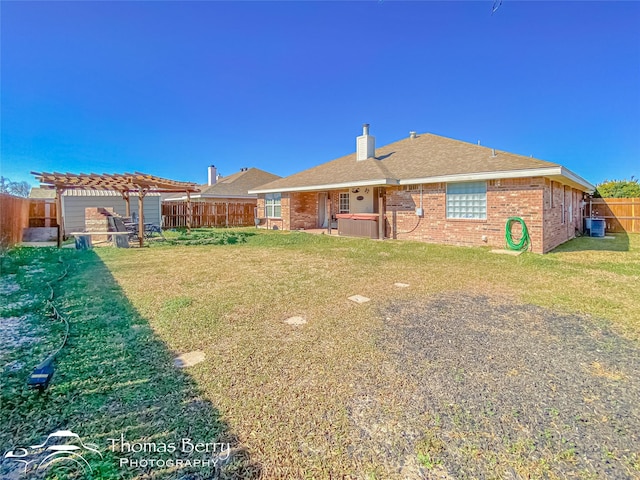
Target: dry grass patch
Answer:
pixel 294 396
pixel 332 397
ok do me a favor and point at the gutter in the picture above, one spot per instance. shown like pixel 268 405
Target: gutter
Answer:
pixel 330 186
pixel 214 197
pixel 557 171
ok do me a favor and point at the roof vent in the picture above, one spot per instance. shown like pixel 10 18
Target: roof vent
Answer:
pixel 365 144
pixel 493 152
pixel 412 134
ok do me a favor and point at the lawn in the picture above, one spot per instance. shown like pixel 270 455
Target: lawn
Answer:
pixel 412 384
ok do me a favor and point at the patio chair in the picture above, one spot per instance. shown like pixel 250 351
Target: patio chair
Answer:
pixel 151 229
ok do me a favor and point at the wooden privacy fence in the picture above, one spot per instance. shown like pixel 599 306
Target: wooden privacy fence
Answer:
pixel 174 214
pixel 620 214
pixel 42 213
pixel 14 218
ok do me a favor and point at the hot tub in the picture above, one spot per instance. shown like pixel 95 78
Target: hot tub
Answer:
pixel 358 224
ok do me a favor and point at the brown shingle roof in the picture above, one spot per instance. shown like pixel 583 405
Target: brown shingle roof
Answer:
pixel 38 192
pixel 236 185
pixel 424 156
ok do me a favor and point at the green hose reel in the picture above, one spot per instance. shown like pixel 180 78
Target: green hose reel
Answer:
pixel 525 240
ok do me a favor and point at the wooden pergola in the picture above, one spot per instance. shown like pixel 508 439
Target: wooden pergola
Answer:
pixel 126 183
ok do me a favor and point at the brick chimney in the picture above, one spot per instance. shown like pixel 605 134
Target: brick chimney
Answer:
pixel 365 144
pixel 213 175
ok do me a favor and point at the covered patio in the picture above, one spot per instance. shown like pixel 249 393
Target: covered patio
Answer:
pixel 127 184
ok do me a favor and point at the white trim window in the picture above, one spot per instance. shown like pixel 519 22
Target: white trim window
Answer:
pixel 272 205
pixel 467 200
pixel 343 204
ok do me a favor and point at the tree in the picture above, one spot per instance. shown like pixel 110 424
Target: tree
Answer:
pixel 618 189
pixel 19 189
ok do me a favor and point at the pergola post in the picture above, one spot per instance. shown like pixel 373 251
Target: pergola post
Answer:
pixel 189 212
pixel 124 183
pixel 141 194
pixel 127 202
pixel 59 192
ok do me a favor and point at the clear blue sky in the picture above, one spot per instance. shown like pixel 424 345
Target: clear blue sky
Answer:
pixel 168 88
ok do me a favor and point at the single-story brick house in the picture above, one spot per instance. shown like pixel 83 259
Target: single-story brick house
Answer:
pixel 233 188
pixel 433 189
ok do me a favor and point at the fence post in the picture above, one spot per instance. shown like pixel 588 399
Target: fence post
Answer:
pixel 189 212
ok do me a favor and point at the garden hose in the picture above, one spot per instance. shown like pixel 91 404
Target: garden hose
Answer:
pixel 525 240
pixel 42 373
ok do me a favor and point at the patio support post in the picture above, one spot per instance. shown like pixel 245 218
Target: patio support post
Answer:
pixel 141 194
pixel 381 225
pixel 59 192
pixel 189 213
pixel 327 211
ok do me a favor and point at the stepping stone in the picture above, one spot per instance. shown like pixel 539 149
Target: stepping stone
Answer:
pixel 513 253
pixel 401 285
pixel 295 321
pixel 359 299
pixel 189 359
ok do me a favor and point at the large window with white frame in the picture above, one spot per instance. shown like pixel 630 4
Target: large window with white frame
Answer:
pixel 272 205
pixel 343 205
pixel 467 200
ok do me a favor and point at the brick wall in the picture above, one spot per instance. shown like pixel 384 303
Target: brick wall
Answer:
pixel 303 211
pixel 281 223
pixel 527 198
pixel 563 213
pixel 505 198
pixel 96 219
pixel 299 210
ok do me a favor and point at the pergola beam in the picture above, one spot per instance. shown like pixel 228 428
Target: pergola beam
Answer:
pixel 126 183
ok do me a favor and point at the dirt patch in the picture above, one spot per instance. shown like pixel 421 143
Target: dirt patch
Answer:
pixel 8 284
pixel 14 332
pixel 479 387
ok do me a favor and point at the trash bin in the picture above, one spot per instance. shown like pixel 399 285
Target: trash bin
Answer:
pixel 597 227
